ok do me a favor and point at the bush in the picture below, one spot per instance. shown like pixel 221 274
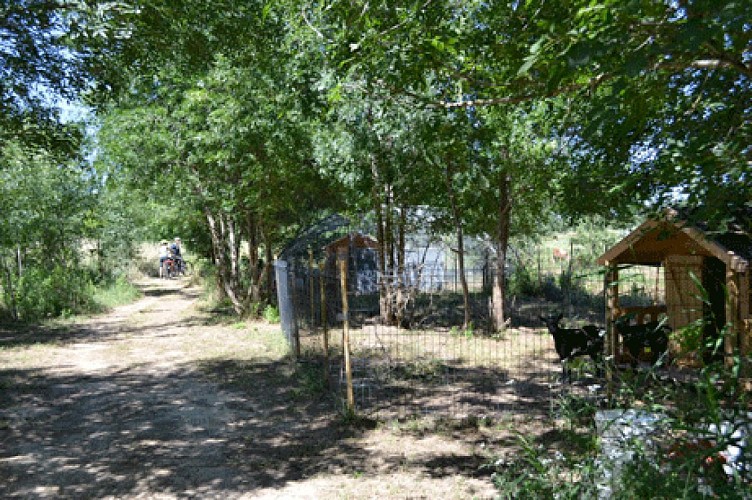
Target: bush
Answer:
pixel 684 458
pixel 59 292
pixel 271 314
pixel 116 292
pixel 521 282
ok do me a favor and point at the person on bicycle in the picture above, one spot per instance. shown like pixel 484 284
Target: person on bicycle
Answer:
pixel 175 252
pixel 164 254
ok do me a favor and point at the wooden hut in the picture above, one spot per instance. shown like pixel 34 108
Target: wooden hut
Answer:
pixel 359 251
pixel 692 259
pixel 351 241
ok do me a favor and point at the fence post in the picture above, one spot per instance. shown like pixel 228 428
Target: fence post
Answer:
pixel 286 307
pixel 342 257
pixel 324 322
pixel 296 312
pixel 612 303
pixel 311 288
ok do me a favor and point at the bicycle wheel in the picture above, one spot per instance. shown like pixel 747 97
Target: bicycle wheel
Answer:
pixel 185 268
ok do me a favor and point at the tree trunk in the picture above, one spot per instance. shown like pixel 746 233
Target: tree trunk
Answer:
pixel 253 294
pixel 502 245
pixel 268 276
pixel 233 249
pixel 226 265
pixel 10 293
pixel 385 302
pixel 457 219
pixel 402 292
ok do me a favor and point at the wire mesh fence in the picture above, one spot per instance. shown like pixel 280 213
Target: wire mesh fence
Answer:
pixel 412 352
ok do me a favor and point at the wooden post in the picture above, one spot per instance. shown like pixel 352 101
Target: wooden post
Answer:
pixel 346 331
pixel 311 288
pixel 612 305
pixel 730 342
pixel 745 329
pixel 324 322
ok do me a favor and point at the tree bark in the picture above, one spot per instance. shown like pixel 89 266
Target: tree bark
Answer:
pixel 385 302
pixel 502 245
pixel 8 288
pixel 402 292
pixel 222 244
pixel 253 294
pixel 457 219
pixel 268 278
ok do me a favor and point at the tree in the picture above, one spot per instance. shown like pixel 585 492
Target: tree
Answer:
pixel 47 202
pixel 657 91
pixel 230 136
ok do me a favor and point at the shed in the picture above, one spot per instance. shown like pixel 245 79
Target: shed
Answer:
pixel 692 259
pixel 360 251
pixel 351 241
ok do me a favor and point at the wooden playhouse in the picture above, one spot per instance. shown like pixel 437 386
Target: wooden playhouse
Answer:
pixel 692 260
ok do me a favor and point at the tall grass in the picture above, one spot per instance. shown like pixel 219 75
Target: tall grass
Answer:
pixel 114 293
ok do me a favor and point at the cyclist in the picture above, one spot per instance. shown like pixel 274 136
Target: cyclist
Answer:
pixel 175 252
pixel 164 254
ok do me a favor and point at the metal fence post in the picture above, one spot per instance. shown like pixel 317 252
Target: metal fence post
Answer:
pixel 286 307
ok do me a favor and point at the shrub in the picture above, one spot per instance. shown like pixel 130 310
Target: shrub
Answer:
pixel 59 292
pixel 115 292
pixel 521 282
pixel 271 314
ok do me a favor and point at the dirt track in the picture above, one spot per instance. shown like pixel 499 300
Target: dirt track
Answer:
pixel 160 400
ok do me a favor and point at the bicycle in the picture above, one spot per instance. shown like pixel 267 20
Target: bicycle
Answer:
pixel 168 269
pixel 183 268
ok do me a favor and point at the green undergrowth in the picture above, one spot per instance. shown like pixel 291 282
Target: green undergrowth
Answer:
pixel 116 292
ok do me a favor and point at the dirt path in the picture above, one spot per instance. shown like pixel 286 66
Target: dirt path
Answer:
pixel 160 400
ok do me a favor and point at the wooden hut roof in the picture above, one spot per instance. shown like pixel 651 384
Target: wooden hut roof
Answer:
pixel 655 239
pixel 356 240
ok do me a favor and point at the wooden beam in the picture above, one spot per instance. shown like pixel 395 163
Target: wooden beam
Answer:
pixel 733 321
pixel 745 330
pixel 612 307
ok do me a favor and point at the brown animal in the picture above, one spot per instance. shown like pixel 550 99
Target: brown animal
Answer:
pixel 560 254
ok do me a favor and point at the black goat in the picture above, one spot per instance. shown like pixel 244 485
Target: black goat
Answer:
pixel 573 342
pixel 652 336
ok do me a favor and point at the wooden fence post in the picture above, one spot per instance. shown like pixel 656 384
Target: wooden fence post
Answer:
pixel 312 289
pixel 612 304
pixel 346 331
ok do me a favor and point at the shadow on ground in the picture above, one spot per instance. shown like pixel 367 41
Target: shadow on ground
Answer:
pixel 23 334
pixel 132 432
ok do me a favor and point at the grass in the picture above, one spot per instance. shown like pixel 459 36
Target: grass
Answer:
pixel 456 347
pixel 116 293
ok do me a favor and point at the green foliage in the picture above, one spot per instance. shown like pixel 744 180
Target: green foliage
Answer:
pixel 310 381
pixel 468 333
pixel 536 472
pixel 59 292
pixel 522 282
pixel 255 118
pixel 45 293
pixel 271 314
pixel 681 461
pixel 115 292
pixel 699 419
